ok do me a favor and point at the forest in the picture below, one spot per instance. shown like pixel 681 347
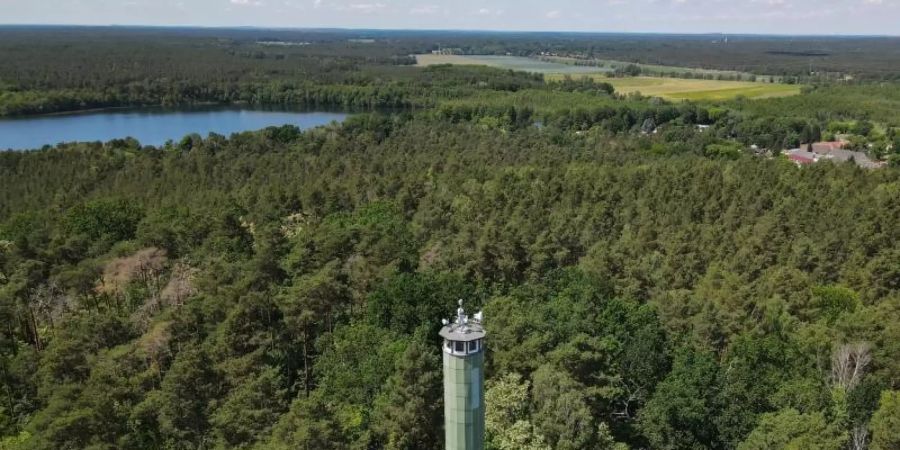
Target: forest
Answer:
pixel 646 284
pixel 53 69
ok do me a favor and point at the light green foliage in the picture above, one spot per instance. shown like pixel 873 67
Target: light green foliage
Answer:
pixel 885 425
pixel 507 419
pixel 519 435
pixel 561 412
pixel 729 150
pixel 790 430
pixel 606 441
pixel 16 442
pixel 835 103
pixel 832 301
pixel 701 89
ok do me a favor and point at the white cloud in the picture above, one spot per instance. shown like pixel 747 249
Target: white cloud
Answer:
pixel 366 7
pixel 247 2
pixel 774 3
pixel 425 10
pixel 555 14
pixel 489 12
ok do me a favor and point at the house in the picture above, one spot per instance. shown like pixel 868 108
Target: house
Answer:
pixel 823 148
pixel 860 158
pixel 833 151
pixel 802 157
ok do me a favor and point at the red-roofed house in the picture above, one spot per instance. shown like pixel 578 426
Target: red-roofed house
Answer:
pixel 802 158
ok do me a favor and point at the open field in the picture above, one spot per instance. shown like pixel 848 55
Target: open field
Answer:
pixel 508 62
pixel 669 88
pixel 609 65
pixel 684 89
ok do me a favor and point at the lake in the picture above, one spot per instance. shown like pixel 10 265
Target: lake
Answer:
pixel 150 126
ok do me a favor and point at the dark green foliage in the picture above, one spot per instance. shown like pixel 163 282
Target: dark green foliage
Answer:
pixel 682 411
pixel 185 398
pixel 250 410
pixel 403 301
pixel 757 367
pixel 310 424
pixel 104 219
pixel 356 362
pixel 409 412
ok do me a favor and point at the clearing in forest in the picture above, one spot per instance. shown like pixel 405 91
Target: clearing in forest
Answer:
pixel 654 70
pixel 665 87
pixel 689 89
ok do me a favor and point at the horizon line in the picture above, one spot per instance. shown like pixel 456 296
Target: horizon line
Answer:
pixel 456 30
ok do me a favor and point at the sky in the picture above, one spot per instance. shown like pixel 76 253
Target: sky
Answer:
pixel 862 17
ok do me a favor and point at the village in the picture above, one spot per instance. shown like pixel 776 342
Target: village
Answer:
pixel 836 151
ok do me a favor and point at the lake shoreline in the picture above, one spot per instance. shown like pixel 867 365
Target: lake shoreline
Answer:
pixel 153 126
pixel 133 107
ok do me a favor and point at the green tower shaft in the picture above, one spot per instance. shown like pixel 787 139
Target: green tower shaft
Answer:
pixel 464 401
pixel 463 352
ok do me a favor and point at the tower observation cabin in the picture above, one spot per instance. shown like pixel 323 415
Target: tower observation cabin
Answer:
pixel 463 357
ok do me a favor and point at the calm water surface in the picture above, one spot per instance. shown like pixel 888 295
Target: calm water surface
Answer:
pixel 150 126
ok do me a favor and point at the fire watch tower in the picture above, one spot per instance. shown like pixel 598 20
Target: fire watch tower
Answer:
pixel 463 381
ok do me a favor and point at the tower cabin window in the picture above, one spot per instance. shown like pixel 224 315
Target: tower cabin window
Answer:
pixel 462 347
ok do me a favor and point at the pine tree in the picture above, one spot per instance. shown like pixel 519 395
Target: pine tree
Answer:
pixel 409 412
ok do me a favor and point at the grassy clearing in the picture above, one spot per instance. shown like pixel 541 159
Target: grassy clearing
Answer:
pixel 684 89
pixel 761 90
pixel 668 88
pixel 653 69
